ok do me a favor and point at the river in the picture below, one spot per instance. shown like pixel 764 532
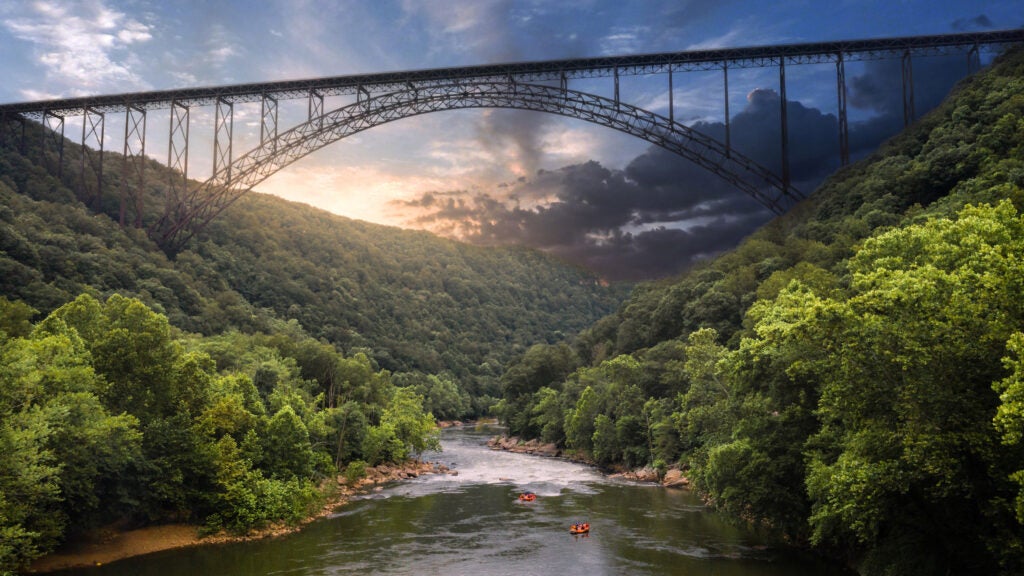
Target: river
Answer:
pixel 473 524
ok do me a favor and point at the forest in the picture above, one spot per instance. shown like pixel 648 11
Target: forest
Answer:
pixel 851 376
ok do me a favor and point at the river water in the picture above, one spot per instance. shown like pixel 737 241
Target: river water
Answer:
pixel 474 524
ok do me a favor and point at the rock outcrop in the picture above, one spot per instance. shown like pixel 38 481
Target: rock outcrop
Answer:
pixel 674 479
pixel 513 444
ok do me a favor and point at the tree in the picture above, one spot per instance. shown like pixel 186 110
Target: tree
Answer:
pixel 286 450
pixel 412 427
pixel 908 401
pixel 605 440
pixel 579 421
pixel 1009 419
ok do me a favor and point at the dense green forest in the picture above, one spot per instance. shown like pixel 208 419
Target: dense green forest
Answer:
pixel 851 376
pixel 228 385
pixel 411 302
pixel 109 415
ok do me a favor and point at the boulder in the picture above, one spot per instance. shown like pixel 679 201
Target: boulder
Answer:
pixel 549 449
pixel 674 479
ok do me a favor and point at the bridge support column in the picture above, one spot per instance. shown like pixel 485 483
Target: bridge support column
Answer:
pixel 973 60
pixel 177 155
pixel 316 106
pixel 671 98
pixel 844 132
pixel 223 139
pixel 93 128
pixel 908 89
pixel 725 90
pixel 616 87
pixel 134 163
pixel 268 122
pixel 53 135
pixel 784 124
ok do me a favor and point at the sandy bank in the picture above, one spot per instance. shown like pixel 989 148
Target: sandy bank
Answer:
pixel 105 546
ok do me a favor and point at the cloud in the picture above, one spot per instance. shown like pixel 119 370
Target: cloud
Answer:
pixel 979 22
pixel 878 91
pixel 82 45
pixel 661 213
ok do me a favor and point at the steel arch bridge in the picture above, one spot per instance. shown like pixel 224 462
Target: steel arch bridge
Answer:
pixel 205 202
pixel 386 97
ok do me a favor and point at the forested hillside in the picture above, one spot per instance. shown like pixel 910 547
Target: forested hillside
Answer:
pixel 850 376
pixel 228 386
pixel 410 301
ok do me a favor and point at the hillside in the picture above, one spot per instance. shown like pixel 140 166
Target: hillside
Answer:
pixel 235 386
pixel 409 300
pixel 850 376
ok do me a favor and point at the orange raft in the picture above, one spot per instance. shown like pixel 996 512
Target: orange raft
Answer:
pixel 527 497
pixel 580 528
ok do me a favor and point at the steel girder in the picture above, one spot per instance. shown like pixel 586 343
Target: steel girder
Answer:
pixel 53 136
pixel 93 129
pixel 133 177
pixel 204 203
pixel 549 70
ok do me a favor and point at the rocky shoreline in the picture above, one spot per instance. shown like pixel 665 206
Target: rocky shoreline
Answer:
pixel 673 478
pixel 112 544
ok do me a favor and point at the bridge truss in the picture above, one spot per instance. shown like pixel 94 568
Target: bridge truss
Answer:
pixel 384 97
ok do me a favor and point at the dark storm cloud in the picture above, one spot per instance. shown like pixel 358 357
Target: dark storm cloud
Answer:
pixel 979 22
pixel 879 91
pixel 662 213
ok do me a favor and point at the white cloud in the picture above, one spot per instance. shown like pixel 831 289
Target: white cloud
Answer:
pixel 221 45
pixel 81 44
pixel 628 40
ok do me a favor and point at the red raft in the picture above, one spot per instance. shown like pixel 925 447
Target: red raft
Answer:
pixel 580 528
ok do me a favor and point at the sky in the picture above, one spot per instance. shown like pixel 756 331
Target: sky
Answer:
pixel 591 195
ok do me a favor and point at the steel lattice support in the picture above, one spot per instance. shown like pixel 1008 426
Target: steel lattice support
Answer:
pixel 908 88
pixel 973 59
pixel 844 129
pixel 616 86
pixel 207 201
pixel 133 178
pixel 725 90
pixel 53 136
pixel 671 99
pixel 268 120
pixel 93 128
pixel 177 153
pixel 223 136
pixel 316 105
pixel 784 123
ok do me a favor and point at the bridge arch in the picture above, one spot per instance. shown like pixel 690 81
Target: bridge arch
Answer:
pixel 203 203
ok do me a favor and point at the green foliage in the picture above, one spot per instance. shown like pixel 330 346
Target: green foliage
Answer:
pixel 409 301
pixel 1009 417
pixel 286 450
pixel 15 317
pixel 355 471
pixel 106 415
pixel 849 376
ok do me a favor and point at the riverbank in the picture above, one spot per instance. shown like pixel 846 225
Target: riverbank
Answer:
pixel 111 544
pixel 673 478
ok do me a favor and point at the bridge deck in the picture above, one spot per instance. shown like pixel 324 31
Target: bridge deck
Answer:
pixel 549 70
